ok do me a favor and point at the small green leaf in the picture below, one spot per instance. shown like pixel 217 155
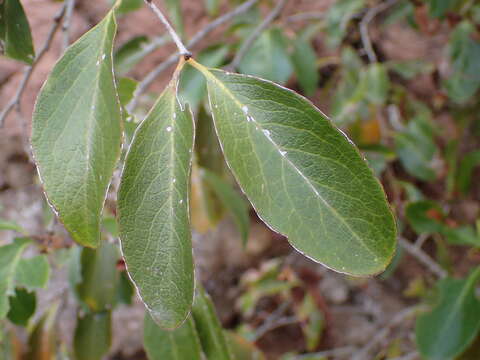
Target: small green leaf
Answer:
pixel 10 225
pixel 242 349
pixel 180 344
pixel 33 273
pixel 15 32
pixel 305 61
pixel 303 176
pixel 153 210
pixel 416 149
pixel 424 216
pixel 268 58
pixel 338 18
pixel 213 6
pixel 125 289
pixel 93 336
pixel 467 164
pixel 377 84
pixel 448 329
pixel 76 132
pixel 464 54
pixel 214 343
pixel 174 9
pixel 129 54
pixel 22 307
pixel 42 342
pixel 231 200
pixel 99 279
pixel 126 88
pixel 9 258
pixel 127 6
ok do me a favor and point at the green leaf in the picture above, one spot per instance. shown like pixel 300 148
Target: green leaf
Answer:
pixel 214 343
pixel 243 349
pixel 42 342
pixel 416 148
pixel 33 273
pixel 464 53
pixel 206 209
pixel 15 32
pixel 180 344
pixel 126 88
pixel 303 176
pixel 467 164
pixel 129 54
pixel 192 84
pixel 408 69
pixel 304 60
pixel 448 329
pixel 268 58
pixel 377 84
pixel 93 336
pixel 153 210
pixel 338 17
pixel 231 200
pixel 174 9
pixel 438 8
pixel 10 225
pixel 125 289
pixel 213 6
pixel 99 278
pixel 127 6
pixel 9 258
pixel 424 216
pixel 22 307
pixel 76 132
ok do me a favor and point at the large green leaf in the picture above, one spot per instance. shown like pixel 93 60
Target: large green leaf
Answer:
pixel 76 132
pixel 303 176
pixel 212 337
pixel 93 336
pixel 453 323
pixel 179 344
pixel 9 258
pixel 15 32
pixel 153 210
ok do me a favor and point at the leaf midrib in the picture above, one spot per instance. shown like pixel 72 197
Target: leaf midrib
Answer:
pixel 312 187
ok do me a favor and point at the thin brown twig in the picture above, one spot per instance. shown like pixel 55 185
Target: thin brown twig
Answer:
pixel 15 101
pixel 151 76
pixel 383 333
pixel 421 256
pixel 70 5
pixel 182 49
pixel 247 44
pixel 365 22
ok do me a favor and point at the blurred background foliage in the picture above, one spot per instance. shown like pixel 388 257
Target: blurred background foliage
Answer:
pixel 400 77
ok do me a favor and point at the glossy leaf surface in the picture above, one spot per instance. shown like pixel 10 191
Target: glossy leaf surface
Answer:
pixel 453 323
pixel 153 210
pixel 302 175
pixel 15 32
pixel 180 344
pixel 76 132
